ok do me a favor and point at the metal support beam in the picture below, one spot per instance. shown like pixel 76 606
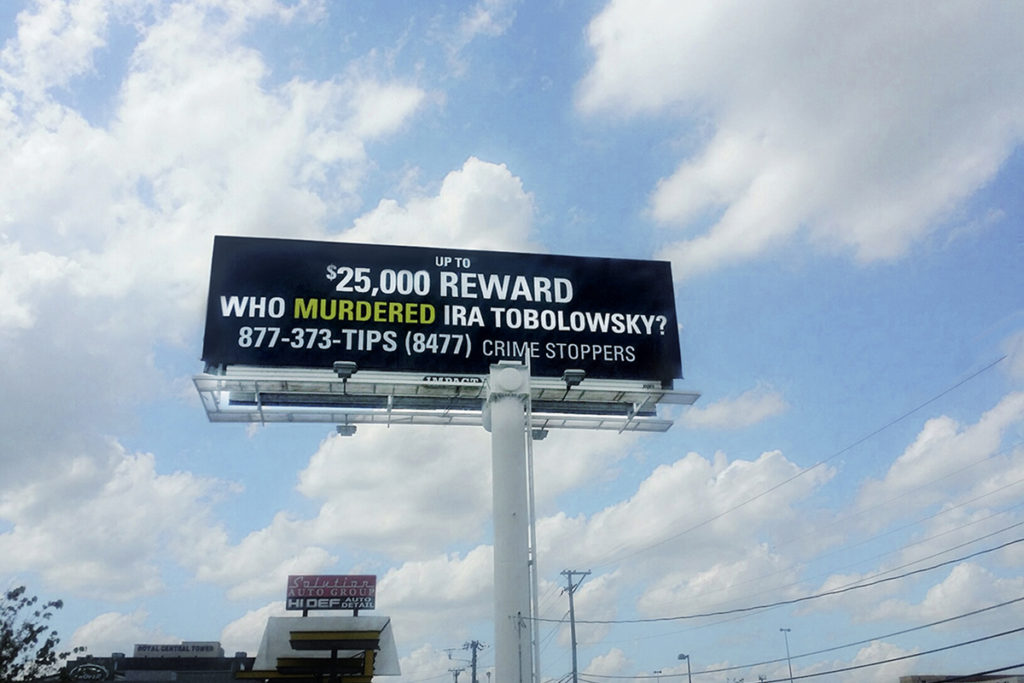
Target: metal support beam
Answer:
pixel 505 417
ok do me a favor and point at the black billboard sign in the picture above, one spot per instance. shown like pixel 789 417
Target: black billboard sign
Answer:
pixel 298 303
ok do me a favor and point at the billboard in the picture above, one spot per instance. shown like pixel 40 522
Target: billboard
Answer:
pixel 331 591
pixel 299 303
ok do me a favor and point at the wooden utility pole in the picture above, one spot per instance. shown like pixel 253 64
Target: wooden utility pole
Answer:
pixel 570 589
pixel 473 646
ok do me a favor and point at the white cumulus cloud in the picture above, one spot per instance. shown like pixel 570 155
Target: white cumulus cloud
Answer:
pixel 749 408
pixel 860 126
pixel 480 206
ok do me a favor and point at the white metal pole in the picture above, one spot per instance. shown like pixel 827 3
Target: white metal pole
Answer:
pixel 534 560
pixel 509 387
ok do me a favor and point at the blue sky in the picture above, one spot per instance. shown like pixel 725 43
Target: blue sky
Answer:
pixel 836 186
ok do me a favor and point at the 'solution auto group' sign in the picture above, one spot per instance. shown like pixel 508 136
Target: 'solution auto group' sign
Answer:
pixel 331 591
pixel 296 303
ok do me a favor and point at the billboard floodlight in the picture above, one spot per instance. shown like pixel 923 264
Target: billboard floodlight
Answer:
pixel 539 434
pixel 573 377
pixel 345 368
pixel 346 430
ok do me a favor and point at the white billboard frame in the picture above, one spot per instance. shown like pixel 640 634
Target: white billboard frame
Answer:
pixel 275 395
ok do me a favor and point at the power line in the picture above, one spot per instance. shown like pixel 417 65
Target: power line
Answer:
pixel 884 636
pixel 805 598
pixel 979 674
pixel 584 676
pixel 910 656
pixel 807 470
pixel 945 510
pixel 922 541
pixel 943 552
pixel 897 550
pixel 855 667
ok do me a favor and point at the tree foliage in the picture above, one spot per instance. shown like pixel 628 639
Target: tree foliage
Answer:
pixel 28 644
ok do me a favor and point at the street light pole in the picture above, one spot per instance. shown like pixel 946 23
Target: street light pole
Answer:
pixel 785 633
pixel 689 678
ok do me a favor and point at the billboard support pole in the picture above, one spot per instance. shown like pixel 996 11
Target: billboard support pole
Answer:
pixel 533 560
pixel 505 418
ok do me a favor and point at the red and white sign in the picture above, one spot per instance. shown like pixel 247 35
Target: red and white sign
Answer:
pixel 331 591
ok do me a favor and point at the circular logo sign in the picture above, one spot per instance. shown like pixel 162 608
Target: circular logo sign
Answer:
pixel 88 672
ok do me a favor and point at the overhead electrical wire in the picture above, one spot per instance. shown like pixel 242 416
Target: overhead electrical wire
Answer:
pixel 946 391
pixel 852 667
pixel 801 473
pixel 806 598
pixel 947 509
pixel 743 615
pixel 903 548
pixel 834 648
pixel 890 660
pixel 943 552
pixel 978 674
pixel 844 519
pixel 554 630
pixel 861 583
